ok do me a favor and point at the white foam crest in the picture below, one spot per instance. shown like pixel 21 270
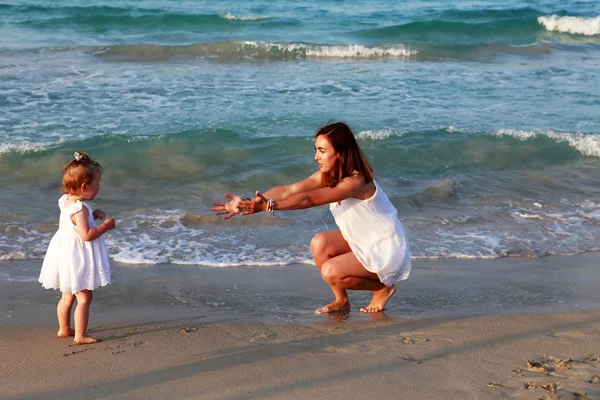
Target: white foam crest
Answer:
pixel 161 236
pixel 589 210
pixel 521 135
pixel 592 215
pixel 489 244
pixel 232 17
pixel 25 147
pixel 589 204
pixel 355 51
pixel 376 135
pixel 19 241
pixel 184 252
pixel 586 144
pixel 521 216
pixel 576 25
pixel 13 255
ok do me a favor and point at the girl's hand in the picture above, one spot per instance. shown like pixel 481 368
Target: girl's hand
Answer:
pixel 227 207
pixel 252 206
pixel 99 214
pixel 110 223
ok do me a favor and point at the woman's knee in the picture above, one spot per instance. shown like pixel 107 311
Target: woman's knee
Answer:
pixel 330 272
pixel 318 244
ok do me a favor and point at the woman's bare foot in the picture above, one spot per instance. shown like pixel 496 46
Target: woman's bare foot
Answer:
pixel 65 333
pixel 334 306
pixel 86 340
pixel 379 300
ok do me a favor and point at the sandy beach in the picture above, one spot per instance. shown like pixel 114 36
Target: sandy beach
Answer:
pixel 457 329
pixel 480 120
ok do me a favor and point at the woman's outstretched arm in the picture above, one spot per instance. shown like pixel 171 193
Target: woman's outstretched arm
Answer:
pixel 233 206
pixel 351 186
pixel 309 184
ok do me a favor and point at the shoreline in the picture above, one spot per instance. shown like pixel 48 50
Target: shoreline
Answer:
pixel 457 329
pixel 435 288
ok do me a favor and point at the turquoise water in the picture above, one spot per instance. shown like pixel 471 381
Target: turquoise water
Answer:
pixel 481 119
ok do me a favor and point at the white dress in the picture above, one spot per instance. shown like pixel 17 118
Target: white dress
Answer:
pixel 72 264
pixel 375 234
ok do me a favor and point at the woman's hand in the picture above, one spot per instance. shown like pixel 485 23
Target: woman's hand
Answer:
pixel 230 208
pixel 99 214
pixel 252 206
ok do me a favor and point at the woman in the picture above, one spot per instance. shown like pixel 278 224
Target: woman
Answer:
pixel 370 250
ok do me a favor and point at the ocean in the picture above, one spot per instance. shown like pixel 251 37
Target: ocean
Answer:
pixel 481 120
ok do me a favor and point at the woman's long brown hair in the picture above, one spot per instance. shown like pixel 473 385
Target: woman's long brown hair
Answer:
pixel 351 159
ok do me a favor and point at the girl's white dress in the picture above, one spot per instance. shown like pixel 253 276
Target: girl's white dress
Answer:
pixel 375 234
pixel 72 264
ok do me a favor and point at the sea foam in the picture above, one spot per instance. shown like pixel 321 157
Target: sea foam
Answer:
pixel 232 17
pixel 376 135
pixel 252 50
pixel 356 51
pixel 574 25
pixel 586 144
pixel 24 147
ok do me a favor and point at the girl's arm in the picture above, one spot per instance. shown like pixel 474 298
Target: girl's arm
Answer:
pixel 80 219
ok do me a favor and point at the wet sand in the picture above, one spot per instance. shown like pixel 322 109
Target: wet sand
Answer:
pixel 456 329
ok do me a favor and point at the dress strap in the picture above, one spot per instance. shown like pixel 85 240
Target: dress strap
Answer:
pixel 73 208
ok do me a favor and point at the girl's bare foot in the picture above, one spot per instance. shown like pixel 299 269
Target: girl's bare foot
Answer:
pixel 334 306
pixel 65 333
pixel 86 340
pixel 379 300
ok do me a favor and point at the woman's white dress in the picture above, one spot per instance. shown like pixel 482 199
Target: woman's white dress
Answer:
pixel 375 234
pixel 72 264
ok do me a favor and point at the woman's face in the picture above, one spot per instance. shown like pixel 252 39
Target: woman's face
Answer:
pixel 325 156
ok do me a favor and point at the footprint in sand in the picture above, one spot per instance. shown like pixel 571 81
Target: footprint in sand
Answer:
pixel 187 330
pixel 76 352
pixel 567 334
pixel 354 348
pixel 262 337
pixel 413 340
pixel 121 348
pixel 550 377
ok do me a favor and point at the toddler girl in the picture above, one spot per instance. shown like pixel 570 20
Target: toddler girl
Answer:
pixel 77 259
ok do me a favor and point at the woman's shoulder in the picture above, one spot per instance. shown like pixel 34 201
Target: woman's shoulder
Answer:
pixel 359 179
pixel 354 180
pixel 363 190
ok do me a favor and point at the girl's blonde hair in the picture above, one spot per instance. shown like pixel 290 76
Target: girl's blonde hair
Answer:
pixel 81 170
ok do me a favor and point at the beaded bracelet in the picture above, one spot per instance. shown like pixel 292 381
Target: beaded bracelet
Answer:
pixel 270 209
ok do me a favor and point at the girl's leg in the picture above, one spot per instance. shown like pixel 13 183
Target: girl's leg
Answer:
pixel 63 311
pixel 345 272
pixel 82 315
pixel 325 246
